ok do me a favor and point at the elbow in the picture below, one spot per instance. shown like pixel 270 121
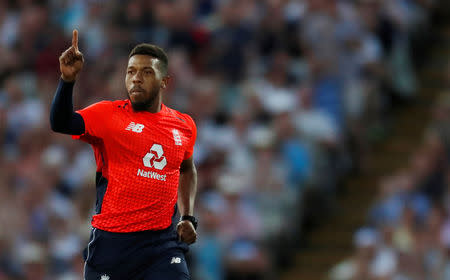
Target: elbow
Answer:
pixel 192 175
pixel 55 129
pixel 54 124
pixel 194 172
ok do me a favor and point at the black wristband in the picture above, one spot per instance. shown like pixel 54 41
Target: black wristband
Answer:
pixel 191 219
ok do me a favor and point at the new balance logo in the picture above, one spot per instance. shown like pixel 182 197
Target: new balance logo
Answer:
pixel 176 137
pixel 175 260
pixel 135 127
pixel 104 277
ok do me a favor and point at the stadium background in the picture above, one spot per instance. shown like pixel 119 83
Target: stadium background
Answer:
pixel 295 102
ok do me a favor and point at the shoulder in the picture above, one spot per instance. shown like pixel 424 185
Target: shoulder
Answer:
pixel 103 107
pixel 184 118
pixel 96 108
pixel 112 105
pixel 188 119
pixel 119 103
pixel 104 104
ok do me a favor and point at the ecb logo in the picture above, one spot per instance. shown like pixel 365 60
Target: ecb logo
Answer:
pixel 155 158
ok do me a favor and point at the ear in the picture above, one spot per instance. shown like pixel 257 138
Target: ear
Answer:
pixel 165 82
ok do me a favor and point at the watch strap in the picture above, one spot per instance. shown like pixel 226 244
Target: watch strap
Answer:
pixel 191 219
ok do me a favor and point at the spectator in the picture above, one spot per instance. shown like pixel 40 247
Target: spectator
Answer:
pixel 279 90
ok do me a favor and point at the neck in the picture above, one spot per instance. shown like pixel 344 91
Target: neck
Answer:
pixel 155 106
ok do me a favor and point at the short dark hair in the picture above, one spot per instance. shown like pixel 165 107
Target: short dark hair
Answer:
pixel 154 51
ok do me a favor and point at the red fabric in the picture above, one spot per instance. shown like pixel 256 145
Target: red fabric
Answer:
pixel 139 153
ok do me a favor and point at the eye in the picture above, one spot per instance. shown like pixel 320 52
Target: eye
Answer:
pixel 130 72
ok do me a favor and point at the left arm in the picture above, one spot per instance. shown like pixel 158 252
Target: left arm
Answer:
pixel 186 197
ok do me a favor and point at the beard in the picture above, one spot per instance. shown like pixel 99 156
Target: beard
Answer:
pixel 144 105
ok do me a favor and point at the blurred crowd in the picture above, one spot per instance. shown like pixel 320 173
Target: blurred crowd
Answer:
pixel 408 232
pixel 287 96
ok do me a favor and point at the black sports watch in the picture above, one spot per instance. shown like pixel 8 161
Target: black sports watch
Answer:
pixel 191 219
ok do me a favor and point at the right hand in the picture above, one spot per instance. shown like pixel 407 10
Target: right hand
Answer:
pixel 71 60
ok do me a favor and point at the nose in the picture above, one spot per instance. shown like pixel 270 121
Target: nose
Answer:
pixel 137 78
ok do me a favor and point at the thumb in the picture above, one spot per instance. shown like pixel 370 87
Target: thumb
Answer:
pixel 180 232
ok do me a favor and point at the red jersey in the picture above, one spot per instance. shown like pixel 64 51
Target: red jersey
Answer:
pixel 138 157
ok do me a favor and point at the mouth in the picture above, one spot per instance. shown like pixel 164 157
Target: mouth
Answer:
pixel 136 91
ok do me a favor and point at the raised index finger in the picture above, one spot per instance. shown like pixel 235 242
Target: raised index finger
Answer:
pixel 75 39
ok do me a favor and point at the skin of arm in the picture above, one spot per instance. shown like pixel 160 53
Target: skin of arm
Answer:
pixel 187 189
pixel 62 117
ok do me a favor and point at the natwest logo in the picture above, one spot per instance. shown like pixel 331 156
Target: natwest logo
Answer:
pixel 151 175
pixel 155 158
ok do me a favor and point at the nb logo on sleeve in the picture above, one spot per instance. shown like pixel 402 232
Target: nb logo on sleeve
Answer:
pixel 175 260
pixel 135 127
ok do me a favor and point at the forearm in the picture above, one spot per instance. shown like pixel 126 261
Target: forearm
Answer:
pixel 63 119
pixel 187 190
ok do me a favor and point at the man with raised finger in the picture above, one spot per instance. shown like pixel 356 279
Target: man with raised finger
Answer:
pixel 145 170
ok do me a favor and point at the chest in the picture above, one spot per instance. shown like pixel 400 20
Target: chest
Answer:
pixel 154 143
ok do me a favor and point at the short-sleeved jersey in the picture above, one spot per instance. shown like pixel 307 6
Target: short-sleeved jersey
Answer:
pixel 138 157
